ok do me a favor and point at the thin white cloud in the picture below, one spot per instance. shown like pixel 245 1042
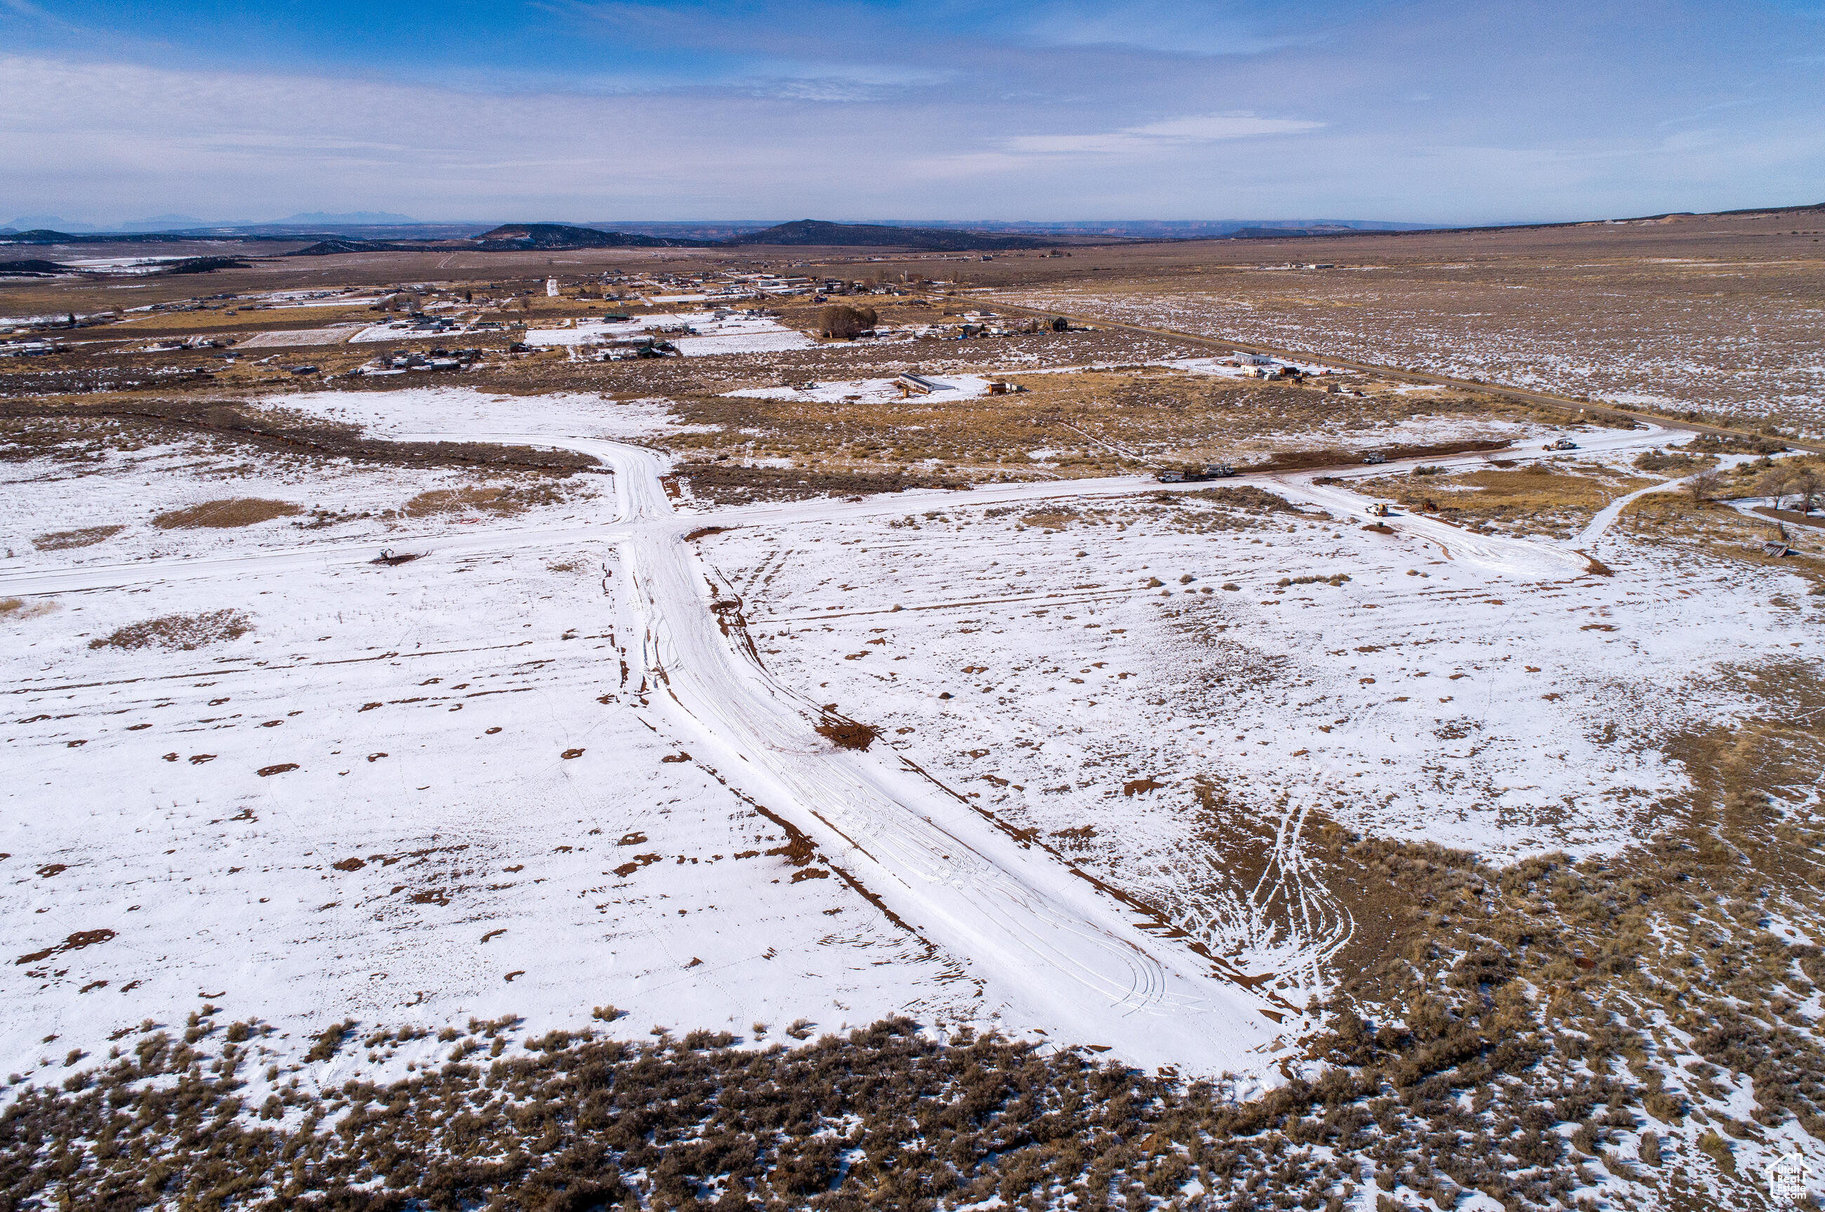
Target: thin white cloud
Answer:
pixel 1159 26
pixel 1155 137
pixel 25 8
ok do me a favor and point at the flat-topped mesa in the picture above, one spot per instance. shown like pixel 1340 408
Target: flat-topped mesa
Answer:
pixel 560 236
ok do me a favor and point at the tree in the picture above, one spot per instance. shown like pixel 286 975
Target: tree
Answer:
pixel 1775 483
pixel 1806 485
pixel 1704 486
pixel 842 320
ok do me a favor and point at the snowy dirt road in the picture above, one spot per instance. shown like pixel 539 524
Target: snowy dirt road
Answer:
pixel 1036 935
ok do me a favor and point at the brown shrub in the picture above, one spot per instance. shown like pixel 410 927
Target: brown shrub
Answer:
pixel 1052 519
pixel 842 320
pixel 226 514
pixel 1247 496
pixel 1659 460
pixel 328 1041
pixel 184 632
pixel 847 734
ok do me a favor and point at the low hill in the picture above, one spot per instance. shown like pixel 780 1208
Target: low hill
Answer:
pixel 1296 233
pixel 558 236
pixel 32 268
pixel 205 265
pixel 42 235
pixel 875 235
pixel 325 248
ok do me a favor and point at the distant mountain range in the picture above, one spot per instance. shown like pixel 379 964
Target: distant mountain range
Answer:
pixel 734 230
pixel 371 231
pixel 349 218
pixel 377 231
pixel 807 233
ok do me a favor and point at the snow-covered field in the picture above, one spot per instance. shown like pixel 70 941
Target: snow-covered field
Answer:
pixel 143 265
pixel 404 332
pixel 873 391
pixel 735 332
pixel 128 490
pixel 541 770
pixel 408 795
pixel 335 334
pixel 1485 693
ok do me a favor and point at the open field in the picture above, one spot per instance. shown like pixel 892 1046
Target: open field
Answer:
pixel 1655 314
pixel 581 774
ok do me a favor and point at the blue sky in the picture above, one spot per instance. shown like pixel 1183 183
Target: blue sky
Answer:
pixel 1421 110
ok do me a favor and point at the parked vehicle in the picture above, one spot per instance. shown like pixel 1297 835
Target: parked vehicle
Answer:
pixel 1183 475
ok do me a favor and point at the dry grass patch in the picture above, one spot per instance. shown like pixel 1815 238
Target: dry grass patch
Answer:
pixel 1539 498
pixel 226 514
pixel 63 540
pixel 181 632
pixel 19 608
pixel 245 320
pixel 492 499
pixel 1085 423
